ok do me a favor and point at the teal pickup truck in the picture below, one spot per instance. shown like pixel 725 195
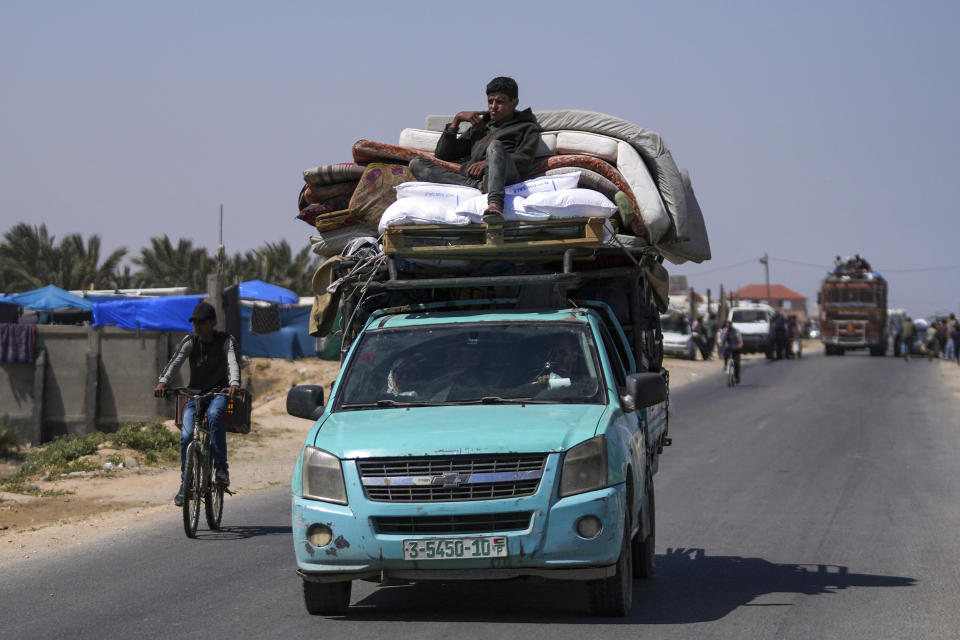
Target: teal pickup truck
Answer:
pixel 485 438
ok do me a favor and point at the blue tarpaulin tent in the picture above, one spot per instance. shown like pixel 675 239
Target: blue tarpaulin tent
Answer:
pixel 168 313
pixel 259 290
pixel 48 298
pixel 293 340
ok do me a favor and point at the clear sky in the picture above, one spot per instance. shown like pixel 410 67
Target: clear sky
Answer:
pixel 810 129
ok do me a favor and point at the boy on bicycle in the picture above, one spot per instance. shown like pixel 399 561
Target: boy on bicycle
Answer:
pixel 214 365
pixel 731 342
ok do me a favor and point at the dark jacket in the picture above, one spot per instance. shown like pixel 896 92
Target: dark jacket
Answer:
pixel 213 365
pixel 520 136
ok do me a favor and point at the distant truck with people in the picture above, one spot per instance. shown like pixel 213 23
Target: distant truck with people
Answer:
pixel 853 309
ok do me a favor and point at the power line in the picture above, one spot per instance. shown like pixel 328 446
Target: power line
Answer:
pixel 801 264
pixel 715 269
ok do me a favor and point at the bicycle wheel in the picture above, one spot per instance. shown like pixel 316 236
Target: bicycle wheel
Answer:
pixel 192 490
pixel 213 504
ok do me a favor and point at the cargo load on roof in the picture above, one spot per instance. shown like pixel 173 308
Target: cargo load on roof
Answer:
pixel 645 197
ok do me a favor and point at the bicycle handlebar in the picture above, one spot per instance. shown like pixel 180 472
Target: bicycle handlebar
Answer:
pixel 184 391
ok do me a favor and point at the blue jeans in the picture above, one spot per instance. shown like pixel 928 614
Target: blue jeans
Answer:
pixel 500 172
pixel 218 433
pixel 906 346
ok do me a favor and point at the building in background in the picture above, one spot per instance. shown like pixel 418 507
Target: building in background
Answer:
pixel 782 298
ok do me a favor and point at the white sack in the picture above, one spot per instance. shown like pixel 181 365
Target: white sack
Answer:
pixel 514 208
pixel 450 195
pixel 544 183
pixel 570 203
pixel 417 210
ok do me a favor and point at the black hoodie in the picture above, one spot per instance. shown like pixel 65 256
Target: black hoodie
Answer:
pixel 520 136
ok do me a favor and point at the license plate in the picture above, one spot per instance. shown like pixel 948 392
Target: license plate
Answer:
pixel 455 548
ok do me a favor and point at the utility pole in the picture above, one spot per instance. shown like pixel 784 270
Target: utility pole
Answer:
pixel 765 261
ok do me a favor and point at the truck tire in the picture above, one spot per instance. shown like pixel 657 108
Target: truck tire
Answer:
pixel 326 598
pixel 612 597
pixel 878 350
pixel 643 550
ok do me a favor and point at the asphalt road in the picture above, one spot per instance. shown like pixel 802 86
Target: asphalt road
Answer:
pixel 819 499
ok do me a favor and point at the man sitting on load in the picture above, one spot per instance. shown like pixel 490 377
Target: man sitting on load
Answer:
pixel 498 149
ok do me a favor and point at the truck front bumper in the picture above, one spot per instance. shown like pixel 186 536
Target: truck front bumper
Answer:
pixel 548 547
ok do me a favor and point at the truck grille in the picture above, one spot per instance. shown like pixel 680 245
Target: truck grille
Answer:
pixel 451 478
pixel 479 523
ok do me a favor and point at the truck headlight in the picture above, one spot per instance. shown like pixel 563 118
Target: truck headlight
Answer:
pixel 323 476
pixel 584 467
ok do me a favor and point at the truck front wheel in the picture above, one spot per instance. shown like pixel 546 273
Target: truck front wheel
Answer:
pixel 643 548
pixel 326 598
pixel 612 597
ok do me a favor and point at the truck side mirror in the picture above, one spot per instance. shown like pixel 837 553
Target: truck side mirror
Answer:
pixel 646 389
pixel 819 296
pixel 305 401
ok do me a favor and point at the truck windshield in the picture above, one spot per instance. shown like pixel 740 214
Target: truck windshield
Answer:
pixel 676 324
pixel 748 315
pixel 488 363
pixel 849 295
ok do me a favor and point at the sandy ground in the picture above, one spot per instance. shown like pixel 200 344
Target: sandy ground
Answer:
pixel 99 504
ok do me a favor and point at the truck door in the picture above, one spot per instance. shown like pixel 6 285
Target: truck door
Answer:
pixel 629 422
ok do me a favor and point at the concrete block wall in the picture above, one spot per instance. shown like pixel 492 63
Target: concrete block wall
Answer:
pixel 85 379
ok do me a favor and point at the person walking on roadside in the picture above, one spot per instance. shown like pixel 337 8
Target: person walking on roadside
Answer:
pixel 214 366
pixel 930 342
pixel 780 335
pixel 710 335
pixel 950 348
pixel 908 333
pixel 955 336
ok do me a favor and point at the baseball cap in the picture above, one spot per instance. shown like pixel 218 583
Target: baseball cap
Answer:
pixel 203 311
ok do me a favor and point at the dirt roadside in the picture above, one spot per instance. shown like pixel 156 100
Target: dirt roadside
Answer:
pixel 96 505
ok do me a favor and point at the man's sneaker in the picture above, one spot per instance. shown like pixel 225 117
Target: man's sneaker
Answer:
pixel 178 499
pixel 222 476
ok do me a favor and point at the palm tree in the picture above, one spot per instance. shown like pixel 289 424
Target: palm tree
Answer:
pixel 79 264
pixel 165 265
pixel 276 264
pixel 29 259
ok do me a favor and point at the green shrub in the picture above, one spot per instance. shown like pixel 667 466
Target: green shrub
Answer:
pixel 60 456
pixel 151 437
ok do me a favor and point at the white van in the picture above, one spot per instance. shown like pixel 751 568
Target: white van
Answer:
pixel 753 321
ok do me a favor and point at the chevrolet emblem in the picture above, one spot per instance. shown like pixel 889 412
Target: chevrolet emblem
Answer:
pixel 449 480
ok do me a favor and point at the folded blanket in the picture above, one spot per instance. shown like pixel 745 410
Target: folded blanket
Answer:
pixel 332 174
pixel 369 151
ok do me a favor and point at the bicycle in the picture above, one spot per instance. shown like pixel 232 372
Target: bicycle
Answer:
pixel 198 484
pixel 731 372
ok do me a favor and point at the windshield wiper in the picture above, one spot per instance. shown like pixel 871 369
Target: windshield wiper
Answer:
pixel 498 400
pixel 386 404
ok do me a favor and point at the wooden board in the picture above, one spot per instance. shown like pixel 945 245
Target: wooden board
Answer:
pixel 435 241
